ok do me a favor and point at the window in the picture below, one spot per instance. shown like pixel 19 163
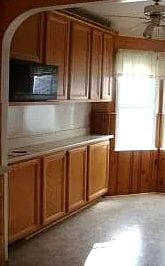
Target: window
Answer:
pixel 136 102
pixel 161 110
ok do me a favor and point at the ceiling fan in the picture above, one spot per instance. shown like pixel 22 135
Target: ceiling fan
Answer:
pixel 154 17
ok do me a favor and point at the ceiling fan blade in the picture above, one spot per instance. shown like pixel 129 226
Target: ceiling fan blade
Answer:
pixel 149 31
pixel 121 16
pixel 162 27
pixel 138 25
pixel 128 1
pixel 163 19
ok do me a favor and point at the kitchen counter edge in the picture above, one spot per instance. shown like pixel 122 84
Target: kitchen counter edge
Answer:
pixel 67 144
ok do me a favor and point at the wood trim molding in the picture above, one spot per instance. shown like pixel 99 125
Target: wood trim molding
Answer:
pixel 125 42
pixel 87 21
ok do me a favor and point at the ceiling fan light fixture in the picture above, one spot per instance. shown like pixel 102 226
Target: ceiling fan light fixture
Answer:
pixel 147 35
pixel 148 32
pixel 156 14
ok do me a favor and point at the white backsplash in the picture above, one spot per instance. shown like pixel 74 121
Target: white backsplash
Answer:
pixel 35 124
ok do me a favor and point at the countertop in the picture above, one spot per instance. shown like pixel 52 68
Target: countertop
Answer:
pixel 30 152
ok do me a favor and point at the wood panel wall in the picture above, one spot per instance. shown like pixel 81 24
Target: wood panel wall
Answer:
pixel 161 171
pixel 133 172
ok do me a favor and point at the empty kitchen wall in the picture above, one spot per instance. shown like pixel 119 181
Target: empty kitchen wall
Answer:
pixel 33 124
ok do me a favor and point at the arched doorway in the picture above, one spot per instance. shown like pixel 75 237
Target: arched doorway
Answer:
pixel 11 24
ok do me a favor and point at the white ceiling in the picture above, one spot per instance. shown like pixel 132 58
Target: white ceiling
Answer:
pixel 125 26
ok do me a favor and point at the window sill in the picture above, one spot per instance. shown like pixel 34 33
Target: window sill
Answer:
pixel 138 149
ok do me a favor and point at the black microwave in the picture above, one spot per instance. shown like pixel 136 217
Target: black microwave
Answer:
pixel 30 81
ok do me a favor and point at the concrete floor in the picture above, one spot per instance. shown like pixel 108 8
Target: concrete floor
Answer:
pixel 117 231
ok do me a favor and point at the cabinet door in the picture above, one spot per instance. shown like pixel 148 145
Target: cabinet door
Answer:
pixel 98 169
pixel 57 49
pixel 77 161
pixel 27 43
pixel 24 199
pixel 107 67
pixel 96 65
pixel 54 188
pixel 79 65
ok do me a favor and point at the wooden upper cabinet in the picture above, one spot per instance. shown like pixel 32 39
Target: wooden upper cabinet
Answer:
pixel 27 43
pixel 54 186
pixel 83 54
pixel 24 199
pixel 96 64
pixel 79 61
pixel 77 174
pixel 107 74
pixel 57 49
pixel 98 169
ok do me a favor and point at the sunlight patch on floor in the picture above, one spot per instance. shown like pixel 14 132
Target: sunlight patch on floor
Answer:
pixel 123 249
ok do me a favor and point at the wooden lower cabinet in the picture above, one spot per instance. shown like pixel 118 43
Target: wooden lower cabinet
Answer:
pixel 43 190
pixel 98 169
pixel 54 187
pixel 77 177
pixel 24 199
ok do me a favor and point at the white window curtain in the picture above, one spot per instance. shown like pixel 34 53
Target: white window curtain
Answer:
pixel 135 62
pixel 136 102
